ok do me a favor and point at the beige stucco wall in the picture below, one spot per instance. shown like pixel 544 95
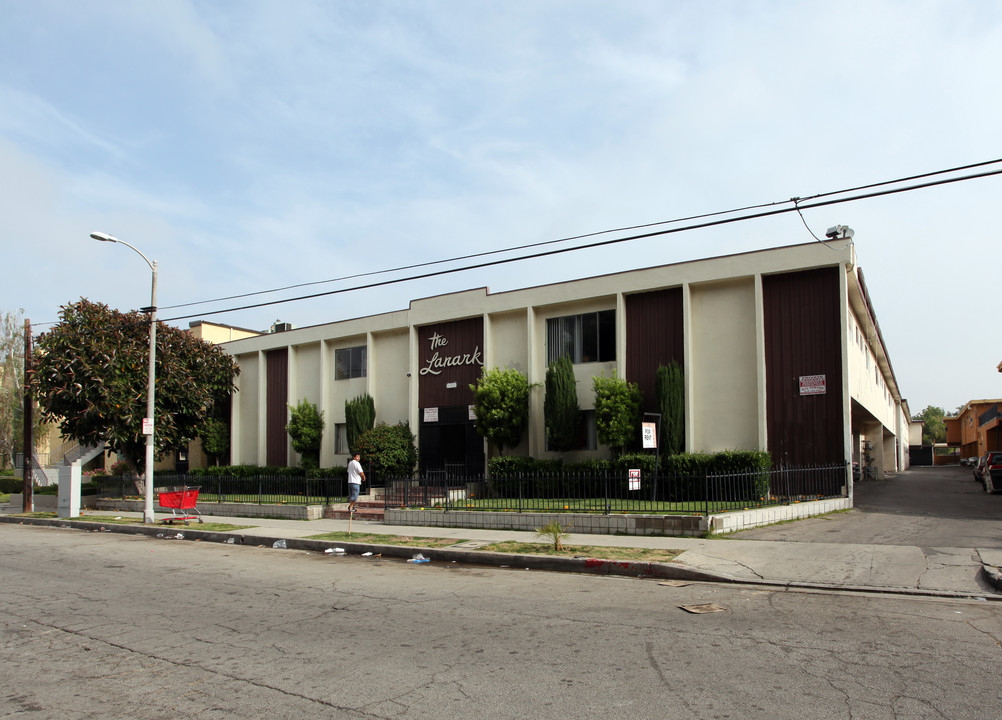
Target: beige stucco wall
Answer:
pixel 389 384
pixel 864 371
pixel 245 408
pixel 721 366
pixel 213 333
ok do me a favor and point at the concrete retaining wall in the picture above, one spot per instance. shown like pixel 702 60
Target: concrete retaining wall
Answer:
pixel 732 522
pixel 679 525
pixel 670 525
pixel 49 503
pixel 285 512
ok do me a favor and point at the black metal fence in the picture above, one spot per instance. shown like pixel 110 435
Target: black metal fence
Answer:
pixel 616 493
pixel 607 493
pixel 258 490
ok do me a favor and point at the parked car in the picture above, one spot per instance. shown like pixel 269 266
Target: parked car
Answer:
pixel 979 469
pixel 992 473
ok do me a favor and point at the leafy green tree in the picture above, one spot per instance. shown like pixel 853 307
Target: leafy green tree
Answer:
pixel 560 406
pixel 306 429
pixel 359 416
pixel 617 412
pixel 90 376
pixel 216 439
pixel 389 448
pixel 501 404
pixel 934 430
pixel 669 387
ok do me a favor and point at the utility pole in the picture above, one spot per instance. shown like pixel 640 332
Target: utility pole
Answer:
pixel 27 504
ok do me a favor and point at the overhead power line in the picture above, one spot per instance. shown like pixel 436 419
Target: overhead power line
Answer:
pixel 792 205
pixel 545 243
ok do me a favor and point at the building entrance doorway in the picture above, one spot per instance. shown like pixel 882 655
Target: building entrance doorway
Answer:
pixel 451 445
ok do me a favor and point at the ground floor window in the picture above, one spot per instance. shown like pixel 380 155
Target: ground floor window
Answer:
pixel 587 432
pixel 341 439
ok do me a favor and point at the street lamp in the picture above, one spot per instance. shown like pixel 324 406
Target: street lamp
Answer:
pixel 148 421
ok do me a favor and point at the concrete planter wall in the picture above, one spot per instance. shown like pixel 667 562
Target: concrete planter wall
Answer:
pixel 287 512
pixel 48 503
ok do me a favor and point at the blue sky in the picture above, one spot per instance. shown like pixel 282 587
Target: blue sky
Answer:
pixel 252 145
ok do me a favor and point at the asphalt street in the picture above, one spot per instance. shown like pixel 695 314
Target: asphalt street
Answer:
pixel 106 625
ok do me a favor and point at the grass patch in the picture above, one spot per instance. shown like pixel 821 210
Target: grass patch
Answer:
pixel 388 539
pixel 512 546
pixel 4 498
pixel 600 552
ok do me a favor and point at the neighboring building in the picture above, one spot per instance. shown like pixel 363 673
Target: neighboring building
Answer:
pixel 976 429
pixel 780 348
pixel 217 333
pixel 193 456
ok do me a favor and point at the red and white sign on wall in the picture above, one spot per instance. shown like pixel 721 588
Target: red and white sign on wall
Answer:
pixel 813 385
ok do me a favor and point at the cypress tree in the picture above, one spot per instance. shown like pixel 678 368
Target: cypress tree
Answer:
pixel 560 406
pixel 359 417
pixel 669 386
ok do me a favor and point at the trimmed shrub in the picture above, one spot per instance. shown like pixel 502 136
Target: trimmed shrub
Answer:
pixel 11 484
pixel 306 430
pixel 389 448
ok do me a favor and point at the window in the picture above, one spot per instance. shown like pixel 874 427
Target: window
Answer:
pixel 349 363
pixel 590 337
pixel 587 432
pixel 341 439
pixel 589 440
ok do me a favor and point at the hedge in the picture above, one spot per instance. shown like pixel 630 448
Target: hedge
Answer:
pixel 688 464
pixel 245 471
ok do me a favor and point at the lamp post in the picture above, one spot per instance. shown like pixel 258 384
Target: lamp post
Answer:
pixel 148 420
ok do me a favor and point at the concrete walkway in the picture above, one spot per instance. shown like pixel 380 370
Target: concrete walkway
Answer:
pixel 942 571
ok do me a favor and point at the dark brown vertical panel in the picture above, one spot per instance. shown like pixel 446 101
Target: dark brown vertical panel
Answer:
pixel 450 352
pixel 277 397
pixel 654 336
pixel 803 336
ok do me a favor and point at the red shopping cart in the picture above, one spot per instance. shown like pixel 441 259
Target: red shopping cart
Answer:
pixel 181 503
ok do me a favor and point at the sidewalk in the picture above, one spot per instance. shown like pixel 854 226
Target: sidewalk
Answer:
pixel 949 572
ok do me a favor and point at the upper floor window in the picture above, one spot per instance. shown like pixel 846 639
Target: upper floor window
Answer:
pixel 589 337
pixel 349 363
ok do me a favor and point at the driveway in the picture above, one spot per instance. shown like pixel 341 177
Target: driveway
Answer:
pixel 923 507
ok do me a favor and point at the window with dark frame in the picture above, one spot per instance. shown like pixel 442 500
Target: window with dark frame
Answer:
pixel 341 439
pixel 349 363
pixel 585 338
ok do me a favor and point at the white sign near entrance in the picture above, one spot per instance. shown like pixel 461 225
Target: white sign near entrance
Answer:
pixel 431 414
pixel 635 479
pixel 813 385
pixel 650 435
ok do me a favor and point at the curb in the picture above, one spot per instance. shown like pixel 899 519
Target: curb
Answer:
pixel 992 574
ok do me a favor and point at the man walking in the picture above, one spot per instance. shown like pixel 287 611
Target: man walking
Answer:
pixel 356 476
